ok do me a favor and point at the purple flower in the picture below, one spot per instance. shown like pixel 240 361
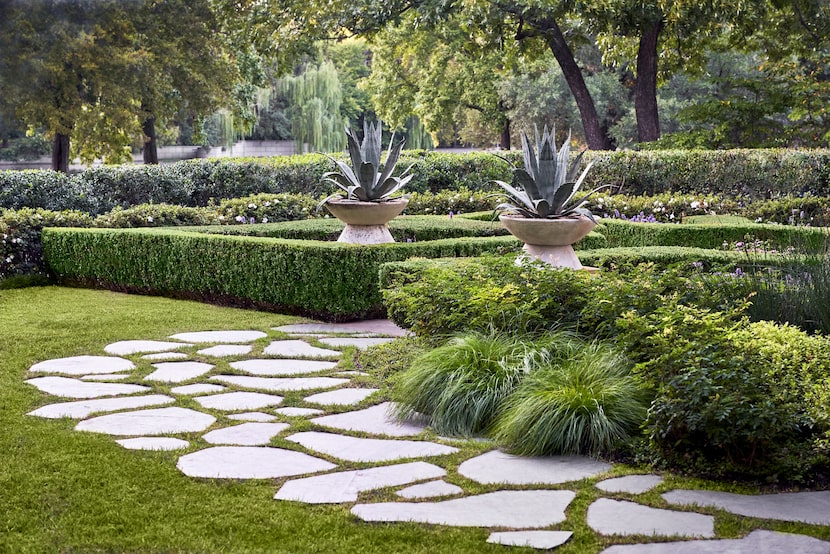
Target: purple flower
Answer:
pixel 252 220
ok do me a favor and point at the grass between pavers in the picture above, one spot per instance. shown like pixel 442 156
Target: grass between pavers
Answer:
pixel 68 491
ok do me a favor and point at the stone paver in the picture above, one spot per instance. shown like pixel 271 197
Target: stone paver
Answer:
pixel 177 372
pixel 543 540
pixel 126 347
pixel 249 462
pixel 106 377
pixel 351 373
pixel 344 486
pixel 377 420
pixel 430 490
pixel 809 507
pixel 83 365
pixel 632 484
pixel 246 434
pixel 619 517
pixel 356 449
pixel 517 509
pixel 253 416
pixel 298 349
pixel 341 397
pixel 75 388
pixel 376 326
pixel 280 384
pixel 83 408
pixel 226 350
pixel 498 467
pixel 160 421
pixel 198 388
pixel 220 336
pixel 298 412
pixel 757 542
pixel 285 366
pixel 232 401
pixel 165 356
pixel 361 343
pixel 153 443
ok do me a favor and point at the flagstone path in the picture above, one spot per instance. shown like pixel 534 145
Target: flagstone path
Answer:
pixel 211 395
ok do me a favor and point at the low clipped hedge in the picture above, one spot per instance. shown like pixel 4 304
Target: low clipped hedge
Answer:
pixel 744 175
pixel 327 280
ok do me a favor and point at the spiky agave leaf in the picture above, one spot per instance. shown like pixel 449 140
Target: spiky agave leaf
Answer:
pixel 371 148
pixel 392 160
pixel 519 195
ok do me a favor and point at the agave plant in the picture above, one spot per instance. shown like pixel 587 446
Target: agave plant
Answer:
pixel 367 180
pixel 548 183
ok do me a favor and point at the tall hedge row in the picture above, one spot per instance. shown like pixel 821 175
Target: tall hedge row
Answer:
pixel 743 174
pixel 329 280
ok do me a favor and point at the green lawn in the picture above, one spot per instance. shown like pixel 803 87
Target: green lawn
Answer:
pixel 68 491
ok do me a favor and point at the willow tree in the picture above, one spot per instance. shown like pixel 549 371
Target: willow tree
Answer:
pixel 315 96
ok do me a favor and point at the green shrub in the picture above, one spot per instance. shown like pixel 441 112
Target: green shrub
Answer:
pixel 262 208
pixel 48 190
pixel 806 210
pixel 325 279
pixel 155 215
pixel 459 386
pixel 21 249
pixel 455 201
pixel 578 398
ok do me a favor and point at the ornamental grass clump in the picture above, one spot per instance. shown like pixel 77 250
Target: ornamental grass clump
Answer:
pixel 460 385
pixel 577 398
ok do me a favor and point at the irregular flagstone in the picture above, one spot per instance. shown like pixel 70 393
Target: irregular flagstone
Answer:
pixel 198 388
pixel 543 540
pixel 125 347
pixel 253 416
pixel 632 484
pixel 226 350
pixel 153 443
pixel 516 509
pixel 619 517
pixel 809 507
pixel 361 343
pixel 165 356
pixel 377 420
pixel 220 336
pixel 430 490
pixel 298 412
pixel 496 467
pixel 177 372
pixel 346 485
pixel 232 401
pixel 351 373
pixel 340 397
pixel 75 388
pixel 355 449
pixel 83 408
pixel 282 366
pixel 376 326
pixel 297 349
pixel 246 434
pixel 83 365
pixel 158 421
pixel 757 542
pixel 106 377
pixel 280 384
pixel 249 462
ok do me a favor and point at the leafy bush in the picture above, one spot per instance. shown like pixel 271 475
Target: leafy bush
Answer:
pixel 455 201
pixel 262 208
pixel 48 190
pixel 155 215
pixel 460 386
pixel 806 210
pixel 330 280
pixel 578 398
pixel 21 249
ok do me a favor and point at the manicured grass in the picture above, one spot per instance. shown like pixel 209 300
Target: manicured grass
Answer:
pixel 68 491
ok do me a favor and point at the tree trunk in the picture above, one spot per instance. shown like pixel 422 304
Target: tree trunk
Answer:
pixel 645 88
pixel 504 144
pixel 60 153
pixel 150 150
pixel 596 138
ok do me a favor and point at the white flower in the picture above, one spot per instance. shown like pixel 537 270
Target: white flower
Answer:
pixel 150 218
pixel 252 206
pixel 266 204
pixel 694 205
pixel 239 219
pixel 221 218
pixel 265 220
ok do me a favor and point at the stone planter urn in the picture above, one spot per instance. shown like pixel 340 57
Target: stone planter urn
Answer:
pixel 549 240
pixel 366 221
